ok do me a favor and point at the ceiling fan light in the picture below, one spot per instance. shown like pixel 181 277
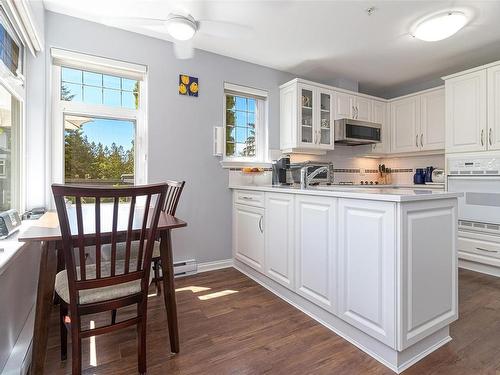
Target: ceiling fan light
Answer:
pixel 440 27
pixel 181 28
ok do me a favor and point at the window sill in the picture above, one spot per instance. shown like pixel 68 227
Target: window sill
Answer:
pixel 227 164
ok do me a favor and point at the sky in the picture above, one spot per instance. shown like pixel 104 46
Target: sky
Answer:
pixel 108 131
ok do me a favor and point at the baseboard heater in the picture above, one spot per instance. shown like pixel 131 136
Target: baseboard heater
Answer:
pixel 185 268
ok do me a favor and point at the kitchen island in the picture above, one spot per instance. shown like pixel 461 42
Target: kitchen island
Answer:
pixel 377 266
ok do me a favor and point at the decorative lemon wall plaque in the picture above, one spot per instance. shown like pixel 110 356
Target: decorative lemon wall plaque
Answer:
pixel 188 85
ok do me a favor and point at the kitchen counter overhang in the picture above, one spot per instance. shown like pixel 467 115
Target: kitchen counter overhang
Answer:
pixel 376 266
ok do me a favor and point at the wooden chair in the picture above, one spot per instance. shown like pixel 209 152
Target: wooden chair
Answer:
pixel 105 286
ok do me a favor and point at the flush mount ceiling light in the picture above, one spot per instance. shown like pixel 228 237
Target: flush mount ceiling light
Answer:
pixel 440 26
pixel 181 27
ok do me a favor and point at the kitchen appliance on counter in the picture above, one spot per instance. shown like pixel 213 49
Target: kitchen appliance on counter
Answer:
pixel 356 132
pixel 9 223
pixel 438 176
pixel 279 171
pixel 325 177
pixel 478 178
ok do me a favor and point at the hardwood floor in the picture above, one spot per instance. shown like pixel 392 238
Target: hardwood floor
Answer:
pixel 245 329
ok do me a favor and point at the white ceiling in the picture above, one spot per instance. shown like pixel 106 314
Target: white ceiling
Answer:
pixel 324 40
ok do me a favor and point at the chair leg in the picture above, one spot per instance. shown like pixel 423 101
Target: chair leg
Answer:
pixel 156 267
pixel 76 346
pixel 141 337
pixel 113 316
pixel 63 312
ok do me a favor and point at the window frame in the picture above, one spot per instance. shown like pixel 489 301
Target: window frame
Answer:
pixel 60 108
pixel 261 125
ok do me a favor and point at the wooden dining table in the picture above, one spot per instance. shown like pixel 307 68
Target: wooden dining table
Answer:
pixel 46 232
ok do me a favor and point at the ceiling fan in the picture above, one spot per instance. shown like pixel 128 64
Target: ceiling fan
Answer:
pixel 184 27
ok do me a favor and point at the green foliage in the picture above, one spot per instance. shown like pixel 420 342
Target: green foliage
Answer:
pixel 90 161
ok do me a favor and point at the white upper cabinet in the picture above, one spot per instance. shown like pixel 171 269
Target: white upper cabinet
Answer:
pixel 344 106
pixel 352 106
pixel 494 108
pixel 418 122
pixel 306 118
pixel 380 116
pixel 466 123
pixel 363 108
pixel 405 120
pixel 432 120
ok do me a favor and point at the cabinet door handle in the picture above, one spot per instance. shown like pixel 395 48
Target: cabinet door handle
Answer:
pixel 357 112
pixel 486 250
pixel 353 112
pixel 260 224
pixel 490 138
pixel 422 139
pixel 416 140
pixel 482 137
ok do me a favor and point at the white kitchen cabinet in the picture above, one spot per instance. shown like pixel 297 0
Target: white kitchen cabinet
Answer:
pixel 352 106
pixel 429 290
pixel 466 117
pixel 432 120
pixel 306 118
pixel 248 235
pixel 363 108
pixel 344 106
pixel 494 108
pixel 405 124
pixel 366 267
pixel 315 239
pixel 380 116
pixel 279 238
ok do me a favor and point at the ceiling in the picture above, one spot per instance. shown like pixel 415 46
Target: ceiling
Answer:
pixel 325 40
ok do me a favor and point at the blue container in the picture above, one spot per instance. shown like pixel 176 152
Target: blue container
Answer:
pixel 419 177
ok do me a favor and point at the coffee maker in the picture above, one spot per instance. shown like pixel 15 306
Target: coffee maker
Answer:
pixel 280 168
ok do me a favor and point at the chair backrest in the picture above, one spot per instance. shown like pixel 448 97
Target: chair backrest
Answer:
pixel 108 215
pixel 174 191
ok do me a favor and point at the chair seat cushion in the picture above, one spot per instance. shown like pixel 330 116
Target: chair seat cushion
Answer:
pixel 99 294
pixel 120 250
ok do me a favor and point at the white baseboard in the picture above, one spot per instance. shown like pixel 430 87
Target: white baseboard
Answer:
pixel 479 267
pixel 216 265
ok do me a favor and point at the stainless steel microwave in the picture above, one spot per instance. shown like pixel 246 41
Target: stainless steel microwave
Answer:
pixel 356 132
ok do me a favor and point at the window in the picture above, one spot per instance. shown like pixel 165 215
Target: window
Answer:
pixel 245 124
pixel 11 53
pixel 10 109
pixel 96 88
pixel 99 120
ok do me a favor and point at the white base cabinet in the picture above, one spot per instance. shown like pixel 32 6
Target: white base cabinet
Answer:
pixel 315 249
pixel 279 238
pixel 366 264
pixel 248 235
pixel 384 272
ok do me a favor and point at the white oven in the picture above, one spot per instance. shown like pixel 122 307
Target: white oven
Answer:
pixel 479 180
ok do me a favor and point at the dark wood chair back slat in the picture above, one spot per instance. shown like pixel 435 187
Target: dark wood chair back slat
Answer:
pixel 174 191
pixel 142 223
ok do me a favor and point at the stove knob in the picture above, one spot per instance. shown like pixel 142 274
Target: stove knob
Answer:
pixel 376 182
pixel 371 182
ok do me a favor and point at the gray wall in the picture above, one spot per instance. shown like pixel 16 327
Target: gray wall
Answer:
pixel 180 127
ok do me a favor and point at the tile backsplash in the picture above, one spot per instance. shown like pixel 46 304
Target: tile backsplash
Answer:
pixel 350 166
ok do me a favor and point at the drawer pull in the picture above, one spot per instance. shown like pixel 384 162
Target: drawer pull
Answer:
pixel 247 198
pixel 486 250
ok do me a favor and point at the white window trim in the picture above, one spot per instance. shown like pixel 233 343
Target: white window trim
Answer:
pixel 261 158
pixel 60 107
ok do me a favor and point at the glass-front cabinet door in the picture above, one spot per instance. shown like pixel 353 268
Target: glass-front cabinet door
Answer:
pixel 325 125
pixel 307 116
